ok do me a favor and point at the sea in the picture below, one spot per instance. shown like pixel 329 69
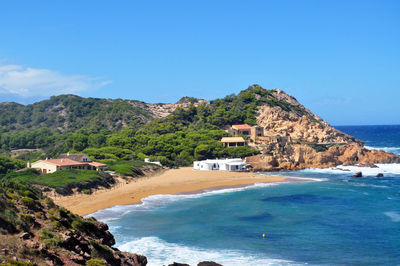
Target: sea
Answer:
pixel 331 219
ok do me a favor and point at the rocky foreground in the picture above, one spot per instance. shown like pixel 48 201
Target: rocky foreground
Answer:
pixel 35 231
pixel 298 139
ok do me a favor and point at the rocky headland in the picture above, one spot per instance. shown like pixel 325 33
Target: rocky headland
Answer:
pixel 295 138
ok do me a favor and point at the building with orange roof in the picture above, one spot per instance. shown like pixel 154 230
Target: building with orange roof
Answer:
pixel 230 142
pixel 254 132
pixel 244 129
pixel 52 165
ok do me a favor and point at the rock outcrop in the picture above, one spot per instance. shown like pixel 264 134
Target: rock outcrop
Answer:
pixel 302 140
pixel 160 110
pixel 299 123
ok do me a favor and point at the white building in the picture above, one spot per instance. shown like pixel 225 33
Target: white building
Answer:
pixel 235 164
pixel 147 160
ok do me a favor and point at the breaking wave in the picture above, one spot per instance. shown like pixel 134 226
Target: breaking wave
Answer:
pixel 393 215
pixel 160 252
pixel 395 150
pixel 115 212
pixel 392 169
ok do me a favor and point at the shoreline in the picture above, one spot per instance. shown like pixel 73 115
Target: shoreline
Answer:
pixel 175 181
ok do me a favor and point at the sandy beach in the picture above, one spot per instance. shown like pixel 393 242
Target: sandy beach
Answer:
pixel 169 182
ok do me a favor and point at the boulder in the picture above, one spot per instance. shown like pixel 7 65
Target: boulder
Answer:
pixel 78 259
pixel 358 174
pixel 379 175
pixel 24 235
pixel 208 263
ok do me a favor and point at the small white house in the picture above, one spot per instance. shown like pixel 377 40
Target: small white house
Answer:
pixel 235 164
pixel 147 160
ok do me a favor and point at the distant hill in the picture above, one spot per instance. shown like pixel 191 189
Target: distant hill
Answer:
pixel 69 113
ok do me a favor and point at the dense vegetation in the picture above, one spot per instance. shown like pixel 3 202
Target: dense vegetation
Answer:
pixel 132 168
pixel 114 130
pixel 68 113
pixel 8 164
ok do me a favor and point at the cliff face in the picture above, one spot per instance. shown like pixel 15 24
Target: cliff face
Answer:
pixel 299 123
pixel 305 140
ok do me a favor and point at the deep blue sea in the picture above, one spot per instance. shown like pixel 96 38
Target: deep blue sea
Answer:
pixel 332 219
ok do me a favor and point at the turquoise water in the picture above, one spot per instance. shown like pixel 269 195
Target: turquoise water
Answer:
pixel 331 219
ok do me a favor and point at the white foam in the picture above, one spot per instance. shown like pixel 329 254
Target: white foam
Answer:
pixel 395 150
pixel 115 212
pixel 311 179
pixel 393 215
pixel 368 185
pixel 159 252
pixel 366 171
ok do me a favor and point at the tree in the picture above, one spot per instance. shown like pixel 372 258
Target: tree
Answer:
pixel 203 151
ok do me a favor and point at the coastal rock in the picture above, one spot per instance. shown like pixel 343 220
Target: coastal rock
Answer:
pixel 208 263
pixel 379 175
pixel 301 156
pixel 367 164
pixel 178 264
pixel 358 174
pixel 295 138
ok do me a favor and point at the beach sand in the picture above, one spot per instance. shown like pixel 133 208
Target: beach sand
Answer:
pixel 169 182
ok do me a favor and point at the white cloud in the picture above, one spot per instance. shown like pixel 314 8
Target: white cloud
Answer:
pixel 33 82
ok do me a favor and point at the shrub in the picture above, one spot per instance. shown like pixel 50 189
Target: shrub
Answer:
pixel 100 251
pixel 49 202
pixel 95 262
pixel 91 218
pixel 52 211
pixel 50 239
pixel 83 225
pixel 39 215
pixel 86 191
pixel 28 219
pixel 28 202
pixel 63 212
pixel 18 263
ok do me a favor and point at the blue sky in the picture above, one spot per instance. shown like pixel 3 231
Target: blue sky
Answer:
pixel 341 59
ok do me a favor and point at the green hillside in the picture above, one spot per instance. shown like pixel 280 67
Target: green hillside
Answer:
pixel 68 113
pixel 112 130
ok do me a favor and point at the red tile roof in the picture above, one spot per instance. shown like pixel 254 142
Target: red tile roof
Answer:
pixel 97 164
pixel 242 127
pixel 63 162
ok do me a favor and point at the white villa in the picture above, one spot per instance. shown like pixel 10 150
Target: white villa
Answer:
pixel 235 164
